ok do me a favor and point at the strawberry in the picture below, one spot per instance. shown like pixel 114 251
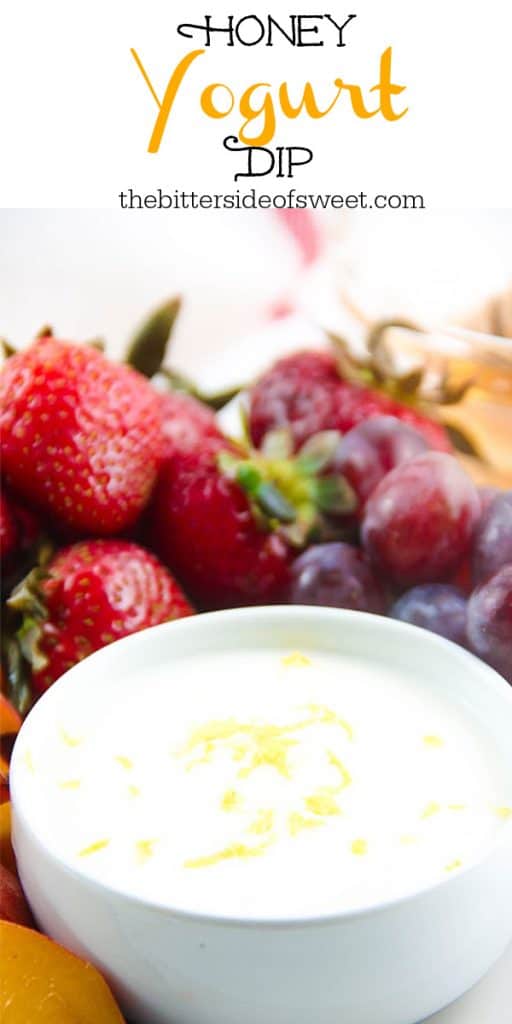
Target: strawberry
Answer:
pixel 200 523
pixel 81 436
pixel 306 393
pixel 298 392
pixel 92 593
pixel 19 528
pixel 185 421
pixel 8 529
pixel 355 404
pixel 227 520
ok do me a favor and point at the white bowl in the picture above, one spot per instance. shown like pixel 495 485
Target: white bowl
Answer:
pixel 393 963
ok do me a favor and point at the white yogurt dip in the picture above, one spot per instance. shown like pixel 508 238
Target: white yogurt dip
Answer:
pixel 268 783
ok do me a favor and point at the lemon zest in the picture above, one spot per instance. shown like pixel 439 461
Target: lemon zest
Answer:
pixel 125 762
pixel 236 851
pixel 504 812
pixel 454 865
pixel 213 732
pixel 100 844
pixel 326 716
pixel 346 778
pixel 70 784
pixel 134 790
pixel 70 741
pixel 296 660
pixel 430 809
pixel 322 803
pixel 266 744
pixel 231 800
pixel 272 751
pixel 433 741
pixel 144 850
pixel 298 822
pixel 208 751
pixel 408 840
pixel 264 822
pixel 359 847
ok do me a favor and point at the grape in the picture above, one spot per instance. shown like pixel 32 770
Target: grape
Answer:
pixel 337 575
pixel 462 578
pixel 492 546
pixel 439 607
pixel 372 449
pixel 487 496
pixel 490 621
pixel 420 519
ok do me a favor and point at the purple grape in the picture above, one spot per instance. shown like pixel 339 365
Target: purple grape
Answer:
pixel 419 521
pixel 337 575
pixel 490 621
pixel 492 545
pixel 439 607
pixel 372 449
pixel 487 496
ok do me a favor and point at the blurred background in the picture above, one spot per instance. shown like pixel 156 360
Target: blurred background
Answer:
pixel 256 284
pixel 91 272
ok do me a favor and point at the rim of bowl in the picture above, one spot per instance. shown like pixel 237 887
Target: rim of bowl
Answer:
pixel 490 678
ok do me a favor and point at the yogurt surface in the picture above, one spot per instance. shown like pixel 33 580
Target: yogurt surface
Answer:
pixel 269 784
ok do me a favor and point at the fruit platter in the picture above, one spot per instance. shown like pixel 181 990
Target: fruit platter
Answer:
pixel 341 477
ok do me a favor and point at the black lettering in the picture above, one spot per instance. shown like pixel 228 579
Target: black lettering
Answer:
pixel 273 24
pixel 253 42
pixel 208 30
pixel 322 201
pixel 340 28
pixel 292 162
pixel 302 29
pixel 232 144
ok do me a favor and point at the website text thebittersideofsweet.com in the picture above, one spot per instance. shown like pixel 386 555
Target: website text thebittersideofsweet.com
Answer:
pixel 177 199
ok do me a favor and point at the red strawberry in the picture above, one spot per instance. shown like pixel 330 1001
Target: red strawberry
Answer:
pixel 19 528
pixel 81 436
pixel 8 529
pixel 201 524
pixel 226 519
pixel 305 392
pixel 97 591
pixel 185 421
pixel 299 392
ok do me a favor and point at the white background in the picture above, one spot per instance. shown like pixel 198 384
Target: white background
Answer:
pixel 99 272
pixel 76 116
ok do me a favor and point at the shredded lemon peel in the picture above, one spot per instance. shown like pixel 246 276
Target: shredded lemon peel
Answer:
pixel 236 851
pixel 96 847
pixel 359 847
pixel 68 739
pixel 296 660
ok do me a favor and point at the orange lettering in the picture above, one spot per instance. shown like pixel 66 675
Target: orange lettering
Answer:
pixel 251 113
pixel 207 103
pixel 387 89
pixel 308 102
pixel 165 107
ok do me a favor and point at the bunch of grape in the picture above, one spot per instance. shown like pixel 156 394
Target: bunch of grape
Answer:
pixel 432 549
